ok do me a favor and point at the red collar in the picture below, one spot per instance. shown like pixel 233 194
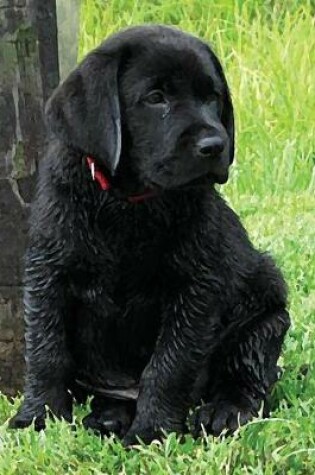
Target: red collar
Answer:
pixel 105 184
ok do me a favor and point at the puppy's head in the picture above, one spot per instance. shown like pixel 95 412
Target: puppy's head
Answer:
pixel 152 106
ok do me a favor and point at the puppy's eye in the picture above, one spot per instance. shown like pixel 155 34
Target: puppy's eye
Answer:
pixel 215 100
pixel 155 98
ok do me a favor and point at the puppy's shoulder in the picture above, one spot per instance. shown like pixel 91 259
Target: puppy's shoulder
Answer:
pixel 227 219
pixel 62 169
pixel 61 191
pixel 231 229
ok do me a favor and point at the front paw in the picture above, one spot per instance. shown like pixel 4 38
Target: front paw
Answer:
pixel 213 418
pixel 33 409
pixel 26 415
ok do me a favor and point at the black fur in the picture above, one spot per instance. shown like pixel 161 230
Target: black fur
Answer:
pixel 152 306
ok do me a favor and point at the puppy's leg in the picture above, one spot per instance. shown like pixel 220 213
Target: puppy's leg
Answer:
pixel 241 374
pixel 47 360
pixel 187 334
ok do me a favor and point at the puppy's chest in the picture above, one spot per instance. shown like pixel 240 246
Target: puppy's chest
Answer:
pixel 120 307
pixel 139 269
pixel 123 266
pixel 135 242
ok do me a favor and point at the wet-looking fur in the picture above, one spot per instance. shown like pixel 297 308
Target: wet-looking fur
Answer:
pixel 155 307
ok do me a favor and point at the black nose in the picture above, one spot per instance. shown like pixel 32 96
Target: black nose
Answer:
pixel 210 146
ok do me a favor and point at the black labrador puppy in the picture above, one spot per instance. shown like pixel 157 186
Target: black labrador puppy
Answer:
pixel 141 285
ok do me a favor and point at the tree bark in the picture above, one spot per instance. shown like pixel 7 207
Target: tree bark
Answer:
pixel 28 74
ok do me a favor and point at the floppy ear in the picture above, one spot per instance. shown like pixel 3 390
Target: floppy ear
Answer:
pixel 84 110
pixel 228 112
pixel 228 121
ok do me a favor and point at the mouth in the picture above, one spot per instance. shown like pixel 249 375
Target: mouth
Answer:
pixel 200 182
pixel 203 181
pixel 152 189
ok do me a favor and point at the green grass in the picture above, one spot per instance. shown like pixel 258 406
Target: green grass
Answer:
pixel 268 51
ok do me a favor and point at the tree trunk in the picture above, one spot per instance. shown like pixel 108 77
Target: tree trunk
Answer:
pixel 28 75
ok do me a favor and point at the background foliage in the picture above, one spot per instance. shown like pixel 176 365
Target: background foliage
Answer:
pixel 268 51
